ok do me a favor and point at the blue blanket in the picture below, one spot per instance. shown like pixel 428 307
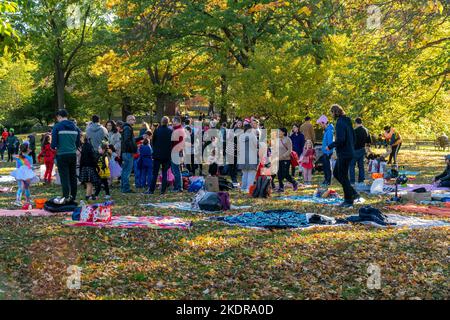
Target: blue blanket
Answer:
pixel 274 219
pixel 312 199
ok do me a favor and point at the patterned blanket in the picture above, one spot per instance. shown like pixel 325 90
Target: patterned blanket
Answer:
pixel 312 199
pixel 185 206
pixel 431 210
pixel 125 222
pixel 7 179
pixel 409 222
pixel 29 213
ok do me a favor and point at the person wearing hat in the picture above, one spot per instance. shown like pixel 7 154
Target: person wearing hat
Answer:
pixel 326 141
pixel 443 180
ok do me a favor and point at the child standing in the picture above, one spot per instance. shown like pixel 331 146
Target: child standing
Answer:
pixel 49 158
pixel 24 174
pixel 103 171
pixel 2 148
pixel 88 168
pixel 145 163
pixel 307 161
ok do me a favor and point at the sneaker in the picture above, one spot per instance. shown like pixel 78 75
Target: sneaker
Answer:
pixel 148 192
pixel 18 203
pixel 295 187
pixel 346 205
pixel 280 190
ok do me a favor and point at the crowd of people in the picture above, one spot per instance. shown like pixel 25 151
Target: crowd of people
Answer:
pixel 110 152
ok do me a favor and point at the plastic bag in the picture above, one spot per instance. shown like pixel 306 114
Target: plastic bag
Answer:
pixel 377 186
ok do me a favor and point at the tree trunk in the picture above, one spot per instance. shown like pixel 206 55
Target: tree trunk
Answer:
pixel 60 84
pixel 164 105
pixel 126 107
pixel 223 97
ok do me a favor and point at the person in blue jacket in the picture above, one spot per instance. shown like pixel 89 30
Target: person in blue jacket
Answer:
pixel 298 143
pixel 145 163
pixel 345 150
pixel 326 141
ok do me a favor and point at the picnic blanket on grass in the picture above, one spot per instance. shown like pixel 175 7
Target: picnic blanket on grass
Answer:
pixel 186 206
pixel 431 210
pixel 5 189
pixel 399 221
pixel 276 219
pixel 7 179
pixel 125 222
pixel 23 213
pixel 312 199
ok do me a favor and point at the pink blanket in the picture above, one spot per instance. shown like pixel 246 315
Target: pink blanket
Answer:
pixel 29 213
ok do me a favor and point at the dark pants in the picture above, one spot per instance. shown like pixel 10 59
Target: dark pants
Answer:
pixel 232 168
pixel 67 168
pixel 444 184
pixel 98 187
pixel 358 159
pixel 10 154
pixel 2 154
pixel 341 174
pixel 326 168
pixel 394 153
pixel 283 173
pixel 33 156
pixel 165 165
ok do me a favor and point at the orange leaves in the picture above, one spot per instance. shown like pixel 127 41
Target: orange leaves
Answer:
pixel 268 6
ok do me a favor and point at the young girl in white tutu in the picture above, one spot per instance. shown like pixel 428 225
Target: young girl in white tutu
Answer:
pixel 24 174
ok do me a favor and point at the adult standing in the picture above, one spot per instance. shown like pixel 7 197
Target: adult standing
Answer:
pixel 362 139
pixel 96 133
pixel 393 139
pixel 128 148
pixel 345 150
pixel 326 141
pixel 12 143
pixel 32 146
pixel 178 143
pixel 66 141
pixel 231 150
pixel 308 130
pixel 162 149
pixel 247 156
pixel 298 143
pixel 284 153
pixel 114 137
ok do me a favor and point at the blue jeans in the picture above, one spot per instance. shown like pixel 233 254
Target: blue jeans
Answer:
pixel 326 168
pixel 146 177
pixel 177 184
pixel 137 174
pixel 358 159
pixel 127 166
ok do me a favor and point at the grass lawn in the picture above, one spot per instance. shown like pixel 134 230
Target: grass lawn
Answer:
pixel 216 261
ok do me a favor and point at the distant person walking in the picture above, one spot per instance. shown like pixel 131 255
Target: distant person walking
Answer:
pixel 394 140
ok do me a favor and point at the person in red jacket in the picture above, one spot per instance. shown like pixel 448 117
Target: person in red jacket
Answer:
pixel 49 158
pixel 5 133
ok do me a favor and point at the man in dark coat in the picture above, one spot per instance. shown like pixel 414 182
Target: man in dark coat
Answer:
pixel 345 150
pixel 128 148
pixel 162 150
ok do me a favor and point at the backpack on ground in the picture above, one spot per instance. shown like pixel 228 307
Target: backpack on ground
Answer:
pixel 263 187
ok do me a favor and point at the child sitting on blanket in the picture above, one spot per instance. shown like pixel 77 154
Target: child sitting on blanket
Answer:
pixel 24 174
pixel 443 180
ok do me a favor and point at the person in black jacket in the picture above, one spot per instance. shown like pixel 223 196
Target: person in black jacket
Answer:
pixel 128 148
pixel 443 180
pixel 344 144
pixel 162 150
pixel 362 139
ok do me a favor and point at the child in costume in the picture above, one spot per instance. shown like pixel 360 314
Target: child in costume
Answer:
pixel 88 168
pixel 49 158
pixel 24 174
pixel 307 161
pixel 103 171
